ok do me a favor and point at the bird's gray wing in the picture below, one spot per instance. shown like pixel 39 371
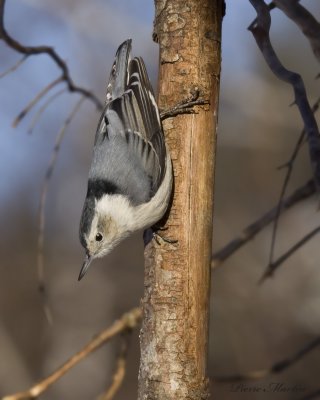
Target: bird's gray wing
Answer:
pixel 118 79
pixel 117 83
pixel 147 119
pixel 129 152
pixel 138 112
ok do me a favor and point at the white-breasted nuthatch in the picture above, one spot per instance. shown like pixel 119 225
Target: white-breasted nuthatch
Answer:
pixel 130 177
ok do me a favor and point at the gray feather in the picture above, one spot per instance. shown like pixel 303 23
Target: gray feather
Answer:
pixel 129 149
pixel 119 74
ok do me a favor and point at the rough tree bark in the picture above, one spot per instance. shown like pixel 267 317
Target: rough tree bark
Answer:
pixel 174 335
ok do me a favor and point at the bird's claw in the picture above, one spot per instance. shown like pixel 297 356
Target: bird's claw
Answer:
pixel 152 233
pixel 156 237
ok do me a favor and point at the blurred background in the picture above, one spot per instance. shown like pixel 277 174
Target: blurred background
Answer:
pixel 252 326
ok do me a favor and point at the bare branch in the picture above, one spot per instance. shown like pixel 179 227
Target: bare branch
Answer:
pixel 289 165
pixel 128 321
pixel 43 197
pixel 173 339
pixel 271 7
pixel 304 20
pixel 35 50
pixel 43 108
pixel 253 229
pixel 14 67
pixel 260 31
pixel 35 100
pixel 276 368
pixel 119 372
pixel 276 264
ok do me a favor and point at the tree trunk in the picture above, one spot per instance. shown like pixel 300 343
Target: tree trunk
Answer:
pixel 174 335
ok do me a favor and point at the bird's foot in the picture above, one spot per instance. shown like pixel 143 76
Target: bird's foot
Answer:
pixel 185 107
pixel 152 233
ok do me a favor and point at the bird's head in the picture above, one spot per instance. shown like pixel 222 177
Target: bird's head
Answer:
pixel 101 230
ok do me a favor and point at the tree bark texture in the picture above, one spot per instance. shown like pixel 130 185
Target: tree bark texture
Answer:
pixel 174 334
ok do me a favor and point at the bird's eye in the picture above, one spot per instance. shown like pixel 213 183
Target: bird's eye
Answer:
pixel 99 237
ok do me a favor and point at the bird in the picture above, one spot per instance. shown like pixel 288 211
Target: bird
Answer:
pixel 130 177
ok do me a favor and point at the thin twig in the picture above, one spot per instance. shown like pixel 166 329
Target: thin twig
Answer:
pixel 276 368
pixel 35 50
pixel 43 197
pixel 120 370
pixel 35 100
pixel 271 7
pixel 289 165
pixel 276 264
pixel 307 23
pixel 43 108
pixel 253 229
pixel 14 67
pixel 260 31
pixel 128 321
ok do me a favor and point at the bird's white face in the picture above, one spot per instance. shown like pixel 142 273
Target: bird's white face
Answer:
pixel 112 222
pixel 104 235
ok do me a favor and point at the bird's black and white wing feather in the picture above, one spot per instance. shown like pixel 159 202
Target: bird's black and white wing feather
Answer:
pixel 129 153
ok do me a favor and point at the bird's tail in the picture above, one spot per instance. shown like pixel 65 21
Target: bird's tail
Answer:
pixel 119 73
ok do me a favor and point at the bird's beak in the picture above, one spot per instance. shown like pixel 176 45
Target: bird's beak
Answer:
pixel 85 266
